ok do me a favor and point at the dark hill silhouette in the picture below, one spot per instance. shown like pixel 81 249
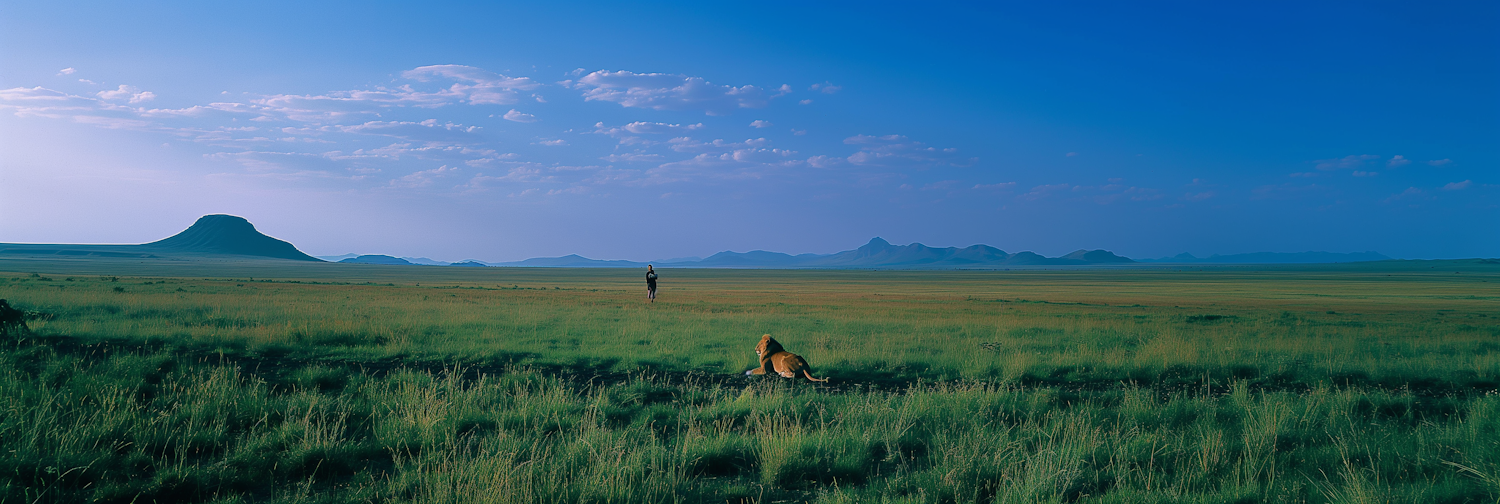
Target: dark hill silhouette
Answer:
pixel 753 258
pixel 572 261
pixel 377 259
pixel 228 234
pixel 879 253
pixel 1096 257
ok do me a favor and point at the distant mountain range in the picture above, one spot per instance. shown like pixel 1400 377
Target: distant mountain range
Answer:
pixel 877 254
pixel 228 235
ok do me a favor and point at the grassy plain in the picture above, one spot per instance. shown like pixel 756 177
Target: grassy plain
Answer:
pixel 243 382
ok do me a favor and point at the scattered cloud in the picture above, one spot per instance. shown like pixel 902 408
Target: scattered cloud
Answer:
pixel 328 136
pixel 1344 163
pixel 1071 154
pixel 429 130
pixel 685 144
pixel 632 134
pixel 66 71
pixel 134 94
pixel 425 177
pixel 805 102
pixel 658 91
pixel 1359 173
pixel 825 161
pixel 1455 186
pixel 1398 161
pixel 519 117
pixel 1303 174
pixel 1198 196
pixel 1043 191
pixel 1410 192
pixel 646 128
pixel 896 151
pixel 476 85
pixel 1439 162
pixel 635 157
pixel 826 88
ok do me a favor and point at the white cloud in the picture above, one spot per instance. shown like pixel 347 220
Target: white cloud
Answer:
pixel 553 143
pixel 799 132
pixel 636 157
pixel 519 117
pixel 425 177
pixel 1344 163
pixel 659 91
pixel 1198 196
pixel 483 87
pixel 805 102
pixel 1454 186
pixel 896 151
pixel 1410 192
pixel 1361 173
pixel 66 71
pixel 760 124
pixel 34 95
pixel 134 94
pixel 826 88
pixel 475 86
pixel 749 163
pixel 427 131
pixel 1397 161
pixel 1043 191
pixel 629 131
pixel 1439 162
pixel 685 144
pixel 1002 185
pixel 825 161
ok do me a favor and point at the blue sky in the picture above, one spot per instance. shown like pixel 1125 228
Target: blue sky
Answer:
pixel 663 130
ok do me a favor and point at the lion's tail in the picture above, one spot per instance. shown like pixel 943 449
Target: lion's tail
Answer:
pixel 810 376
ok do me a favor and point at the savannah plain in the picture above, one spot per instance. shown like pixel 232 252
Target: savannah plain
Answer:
pixel 269 382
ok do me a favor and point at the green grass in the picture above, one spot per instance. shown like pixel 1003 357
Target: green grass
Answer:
pixel 323 384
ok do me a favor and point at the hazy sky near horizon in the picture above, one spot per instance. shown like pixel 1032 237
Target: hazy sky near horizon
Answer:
pixel 660 130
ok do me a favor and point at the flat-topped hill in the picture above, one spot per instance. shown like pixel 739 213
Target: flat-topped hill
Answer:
pixel 211 235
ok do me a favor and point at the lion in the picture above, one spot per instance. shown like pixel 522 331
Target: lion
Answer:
pixel 774 357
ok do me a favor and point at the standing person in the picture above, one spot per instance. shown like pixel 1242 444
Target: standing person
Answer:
pixel 650 283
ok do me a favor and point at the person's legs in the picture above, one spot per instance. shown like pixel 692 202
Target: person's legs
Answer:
pixel 651 294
